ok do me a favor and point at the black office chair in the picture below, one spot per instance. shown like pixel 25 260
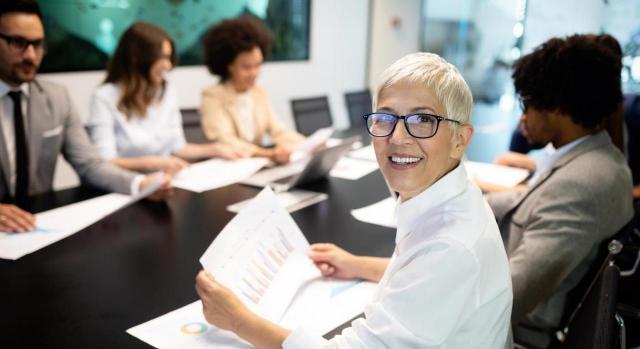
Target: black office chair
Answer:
pixel 358 104
pixel 592 324
pixel 191 126
pixel 590 314
pixel 310 114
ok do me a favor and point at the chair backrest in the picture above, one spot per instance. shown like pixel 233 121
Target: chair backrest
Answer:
pixel 191 126
pixel 593 325
pixel 358 104
pixel 589 314
pixel 310 114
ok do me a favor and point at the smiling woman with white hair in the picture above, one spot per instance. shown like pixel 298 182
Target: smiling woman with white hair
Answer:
pixel 447 284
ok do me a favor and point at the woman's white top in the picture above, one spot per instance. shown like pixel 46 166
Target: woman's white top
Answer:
pixel 447 284
pixel 159 132
pixel 244 105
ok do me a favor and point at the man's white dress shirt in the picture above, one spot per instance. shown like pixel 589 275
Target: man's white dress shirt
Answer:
pixel 159 132
pixel 8 130
pixel 447 284
pixel 550 157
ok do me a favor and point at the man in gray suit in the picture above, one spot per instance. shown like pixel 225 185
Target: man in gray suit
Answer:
pixel 579 196
pixel 38 121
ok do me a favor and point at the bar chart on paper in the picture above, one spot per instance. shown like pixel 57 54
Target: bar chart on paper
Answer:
pixel 264 266
pixel 261 256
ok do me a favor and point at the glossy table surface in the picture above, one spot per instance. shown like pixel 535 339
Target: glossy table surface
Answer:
pixel 140 262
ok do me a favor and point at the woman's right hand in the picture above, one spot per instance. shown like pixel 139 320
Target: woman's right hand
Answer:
pixel 170 164
pixel 335 262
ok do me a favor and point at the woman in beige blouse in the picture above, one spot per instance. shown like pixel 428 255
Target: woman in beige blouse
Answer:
pixel 237 111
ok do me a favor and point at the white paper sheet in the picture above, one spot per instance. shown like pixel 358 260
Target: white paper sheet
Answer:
pixel 364 153
pixel 325 304
pixel 320 307
pixel 304 148
pixel 292 200
pixel 352 169
pixel 186 327
pixel 216 173
pixel 496 174
pixel 381 213
pixel 261 256
pixel 57 224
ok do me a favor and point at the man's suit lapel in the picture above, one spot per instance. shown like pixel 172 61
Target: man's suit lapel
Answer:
pixel 39 120
pixel 597 140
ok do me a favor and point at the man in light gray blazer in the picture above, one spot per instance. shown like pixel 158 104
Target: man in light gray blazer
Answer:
pixel 580 195
pixel 38 121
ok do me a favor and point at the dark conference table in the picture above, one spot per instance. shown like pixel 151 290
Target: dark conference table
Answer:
pixel 140 262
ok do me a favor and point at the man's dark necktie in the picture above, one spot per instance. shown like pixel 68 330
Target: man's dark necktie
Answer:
pixel 22 152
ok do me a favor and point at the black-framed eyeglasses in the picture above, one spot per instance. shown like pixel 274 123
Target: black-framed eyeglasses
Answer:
pixel 20 44
pixel 420 125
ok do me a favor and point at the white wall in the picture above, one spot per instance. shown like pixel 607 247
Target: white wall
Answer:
pixel 550 18
pixel 337 64
pixel 389 42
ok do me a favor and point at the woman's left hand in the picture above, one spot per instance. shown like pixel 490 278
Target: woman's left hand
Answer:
pixel 227 151
pixel 221 307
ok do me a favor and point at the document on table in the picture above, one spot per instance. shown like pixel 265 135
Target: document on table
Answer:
pixel 261 256
pixel 216 173
pixel 352 169
pixel 306 147
pixel 380 213
pixel 292 200
pixel 496 174
pixel 364 153
pixel 57 224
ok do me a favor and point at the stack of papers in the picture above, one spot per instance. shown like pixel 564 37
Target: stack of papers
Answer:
pixel 261 256
pixel 216 173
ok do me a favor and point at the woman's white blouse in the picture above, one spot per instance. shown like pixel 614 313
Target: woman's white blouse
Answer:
pixel 448 283
pixel 159 132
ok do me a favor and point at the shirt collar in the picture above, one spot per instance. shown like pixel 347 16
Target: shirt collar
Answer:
pixel 5 88
pixel 547 162
pixel 412 211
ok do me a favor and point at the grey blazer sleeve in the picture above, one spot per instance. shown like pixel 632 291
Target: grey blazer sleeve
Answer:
pixel 561 231
pixel 83 157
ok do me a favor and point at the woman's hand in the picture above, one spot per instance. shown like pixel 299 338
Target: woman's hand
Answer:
pixel 221 307
pixel 164 191
pixel 334 261
pixel 173 165
pixel 227 151
pixel 280 154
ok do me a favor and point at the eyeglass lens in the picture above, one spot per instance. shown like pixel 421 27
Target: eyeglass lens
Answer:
pixel 419 125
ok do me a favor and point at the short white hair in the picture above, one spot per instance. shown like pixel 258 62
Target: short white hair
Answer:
pixel 438 75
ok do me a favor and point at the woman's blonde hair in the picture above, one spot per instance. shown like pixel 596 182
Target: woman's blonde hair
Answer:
pixel 438 75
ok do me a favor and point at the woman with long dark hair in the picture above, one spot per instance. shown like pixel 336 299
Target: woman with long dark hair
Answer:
pixel 135 120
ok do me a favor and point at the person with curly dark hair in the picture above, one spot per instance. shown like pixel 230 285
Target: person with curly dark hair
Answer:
pixel 582 193
pixel 135 121
pixel 519 146
pixel 236 110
